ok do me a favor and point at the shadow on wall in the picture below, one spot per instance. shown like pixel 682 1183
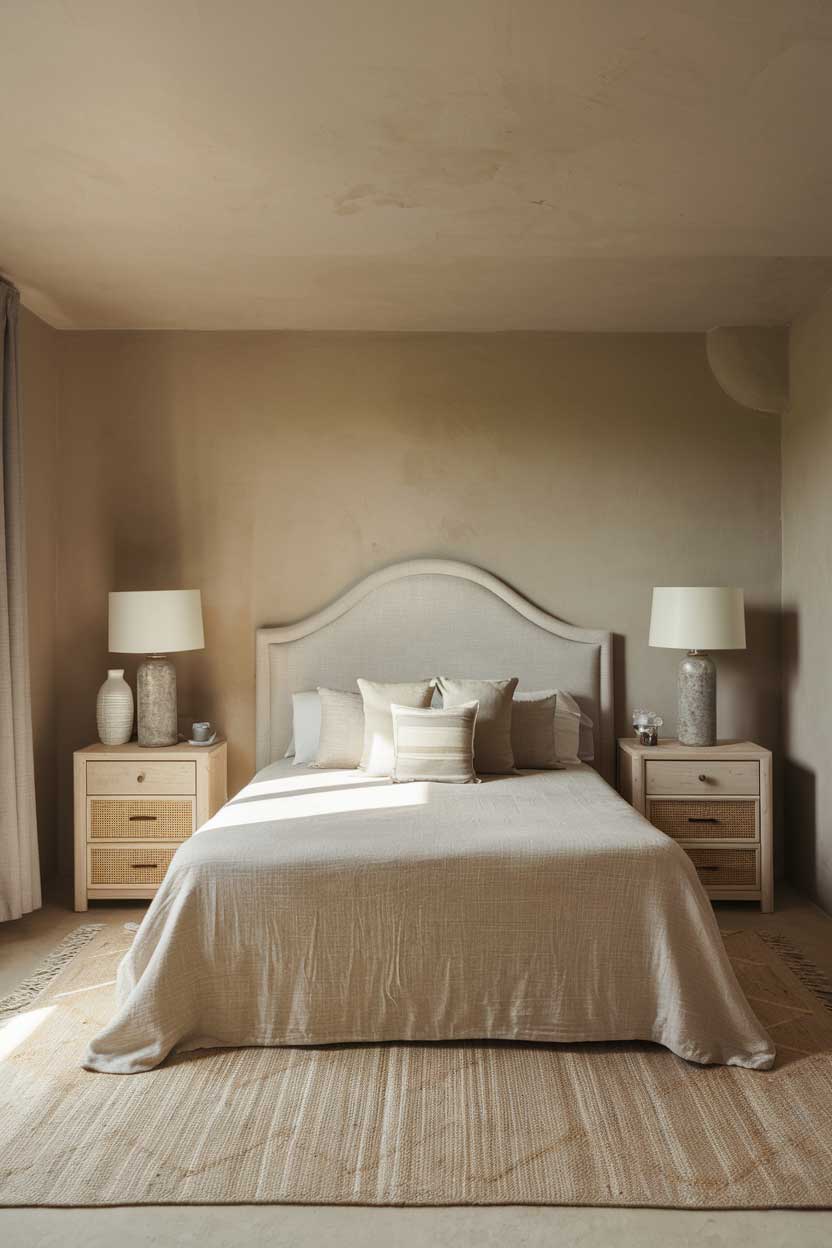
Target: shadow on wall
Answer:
pixel 130 520
pixel 623 713
pixel 750 694
pixel 799 781
pixel 801 838
pixel 749 681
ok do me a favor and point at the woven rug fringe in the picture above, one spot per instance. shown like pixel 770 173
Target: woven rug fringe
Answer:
pixel 24 994
pixel 809 974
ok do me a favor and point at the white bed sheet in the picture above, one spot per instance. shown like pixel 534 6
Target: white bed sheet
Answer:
pixel 325 906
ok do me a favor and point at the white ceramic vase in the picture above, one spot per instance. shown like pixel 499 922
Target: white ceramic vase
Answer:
pixel 114 709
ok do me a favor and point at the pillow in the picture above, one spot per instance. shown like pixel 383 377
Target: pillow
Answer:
pixel 430 744
pixel 567 728
pixel 546 729
pixel 492 748
pixel 377 752
pixel 342 729
pixel 586 751
pixel 533 730
pixel 306 727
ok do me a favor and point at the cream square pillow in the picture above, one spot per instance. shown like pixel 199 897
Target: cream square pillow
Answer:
pixel 493 754
pixel 377 752
pixel 434 745
pixel 342 729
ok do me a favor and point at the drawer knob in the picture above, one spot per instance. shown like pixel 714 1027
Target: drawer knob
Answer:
pixel 140 777
pixel 702 776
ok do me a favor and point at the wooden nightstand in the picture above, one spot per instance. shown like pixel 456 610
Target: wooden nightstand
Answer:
pixel 133 808
pixel 716 802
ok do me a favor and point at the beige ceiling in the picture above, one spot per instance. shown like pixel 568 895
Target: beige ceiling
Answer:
pixel 394 164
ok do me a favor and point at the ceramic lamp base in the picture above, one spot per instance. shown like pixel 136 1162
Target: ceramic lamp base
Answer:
pixel 156 702
pixel 697 699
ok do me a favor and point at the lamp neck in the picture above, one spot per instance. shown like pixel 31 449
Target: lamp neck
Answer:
pixel 699 654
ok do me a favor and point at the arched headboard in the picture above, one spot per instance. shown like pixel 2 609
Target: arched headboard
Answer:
pixel 431 617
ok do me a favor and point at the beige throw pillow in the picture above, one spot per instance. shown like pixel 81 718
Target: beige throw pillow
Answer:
pixel 377 752
pixel 433 744
pixel 545 728
pixel 492 744
pixel 342 729
pixel 533 730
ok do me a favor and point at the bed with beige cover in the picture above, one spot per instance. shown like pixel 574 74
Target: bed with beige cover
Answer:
pixel 322 907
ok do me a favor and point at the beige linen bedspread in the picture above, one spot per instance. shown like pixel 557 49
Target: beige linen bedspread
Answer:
pixel 325 906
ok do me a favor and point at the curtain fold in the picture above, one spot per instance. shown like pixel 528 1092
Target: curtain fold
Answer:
pixel 19 864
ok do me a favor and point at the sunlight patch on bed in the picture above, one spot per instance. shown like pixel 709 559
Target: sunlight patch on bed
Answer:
pixel 20 1028
pixel 319 780
pixel 330 801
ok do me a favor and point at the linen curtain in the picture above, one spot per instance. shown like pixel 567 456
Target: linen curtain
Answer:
pixel 19 865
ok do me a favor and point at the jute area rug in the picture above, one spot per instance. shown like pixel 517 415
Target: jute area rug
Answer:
pixel 437 1124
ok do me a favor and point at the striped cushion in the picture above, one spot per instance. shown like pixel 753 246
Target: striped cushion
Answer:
pixel 433 744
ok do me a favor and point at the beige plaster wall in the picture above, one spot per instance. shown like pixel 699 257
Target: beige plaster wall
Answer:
pixel 807 604
pixel 273 470
pixel 39 402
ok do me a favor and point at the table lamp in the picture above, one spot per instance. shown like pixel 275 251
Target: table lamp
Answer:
pixel 156 623
pixel 697 618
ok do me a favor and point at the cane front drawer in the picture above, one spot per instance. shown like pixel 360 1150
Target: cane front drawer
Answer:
pixel 140 819
pixel 726 867
pixel 683 776
pixel 128 865
pixel 717 820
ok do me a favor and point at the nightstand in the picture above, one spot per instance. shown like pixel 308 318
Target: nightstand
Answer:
pixel 133 808
pixel 715 801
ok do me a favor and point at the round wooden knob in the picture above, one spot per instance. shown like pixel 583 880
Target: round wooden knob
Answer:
pixel 140 777
pixel 702 776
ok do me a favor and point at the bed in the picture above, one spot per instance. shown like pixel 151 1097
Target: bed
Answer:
pixel 322 907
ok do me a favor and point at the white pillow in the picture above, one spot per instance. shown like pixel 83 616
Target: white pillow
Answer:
pixel 306 727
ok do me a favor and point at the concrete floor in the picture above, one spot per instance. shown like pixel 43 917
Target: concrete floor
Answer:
pixel 25 943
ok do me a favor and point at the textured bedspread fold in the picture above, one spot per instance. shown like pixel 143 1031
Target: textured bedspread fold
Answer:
pixel 323 906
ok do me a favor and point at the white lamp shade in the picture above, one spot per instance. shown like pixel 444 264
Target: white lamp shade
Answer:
pixel 156 621
pixel 698 617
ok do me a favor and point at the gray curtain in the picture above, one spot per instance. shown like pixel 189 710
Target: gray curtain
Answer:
pixel 19 868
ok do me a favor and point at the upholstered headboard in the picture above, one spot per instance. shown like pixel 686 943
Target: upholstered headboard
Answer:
pixel 431 617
